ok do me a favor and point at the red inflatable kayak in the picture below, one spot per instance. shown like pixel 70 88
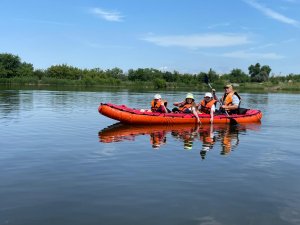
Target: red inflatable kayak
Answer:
pixel 128 115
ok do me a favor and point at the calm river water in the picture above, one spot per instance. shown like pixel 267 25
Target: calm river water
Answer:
pixel 63 163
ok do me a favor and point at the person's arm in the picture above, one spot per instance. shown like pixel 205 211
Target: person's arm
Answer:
pixel 195 114
pixel 212 111
pixel 214 95
pixel 164 109
pixel 198 107
pixel 179 103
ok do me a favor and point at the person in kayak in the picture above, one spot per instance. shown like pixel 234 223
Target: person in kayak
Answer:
pixel 158 105
pixel 187 106
pixel 230 100
pixel 208 106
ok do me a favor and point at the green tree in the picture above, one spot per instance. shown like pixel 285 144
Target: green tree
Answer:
pixel 169 77
pixel 64 72
pixel 95 73
pixel 25 70
pixel 187 79
pixel 9 65
pixel 293 77
pixel 200 77
pixel 39 73
pixel 116 73
pixel 258 73
pixel 159 83
pixel 237 76
pixel 212 75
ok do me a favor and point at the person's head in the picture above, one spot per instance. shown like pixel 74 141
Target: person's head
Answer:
pixel 189 98
pixel 228 88
pixel 208 96
pixel 157 97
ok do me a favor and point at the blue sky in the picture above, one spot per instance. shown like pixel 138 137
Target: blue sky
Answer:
pixel 185 35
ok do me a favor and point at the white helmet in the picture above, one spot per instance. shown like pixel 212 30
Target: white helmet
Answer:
pixel 205 148
pixel 157 96
pixel 208 94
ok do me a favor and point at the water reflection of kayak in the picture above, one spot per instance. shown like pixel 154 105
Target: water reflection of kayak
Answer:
pixel 121 132
pixel 125 114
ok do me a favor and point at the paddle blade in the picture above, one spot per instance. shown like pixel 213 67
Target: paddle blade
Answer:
pixel 233 121
pixel 206 79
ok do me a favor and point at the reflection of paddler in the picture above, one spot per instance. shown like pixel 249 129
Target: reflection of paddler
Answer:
pixel 229 140
pixel 188 144
pixel 226 144
pixel 203 151
pixel 121 132
pixel 187 136
pixel 157 139
pixel 208 139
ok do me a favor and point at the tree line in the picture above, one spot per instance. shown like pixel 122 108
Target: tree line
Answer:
pixel 13 69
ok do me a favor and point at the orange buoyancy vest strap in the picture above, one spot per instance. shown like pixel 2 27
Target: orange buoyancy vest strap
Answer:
pixel 207 139
pixel 228 99
pixel 206 106
pixel 156 105
pixel 185 106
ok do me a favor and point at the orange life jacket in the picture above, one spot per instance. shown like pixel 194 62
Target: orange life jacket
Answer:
pixel 156 105
pixel 227 143
pixel 227 98
pixel 185 106
pixel 206 106
pixel 157 138
pixel 207 139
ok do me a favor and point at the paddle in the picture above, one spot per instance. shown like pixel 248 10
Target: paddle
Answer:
pixel 231 120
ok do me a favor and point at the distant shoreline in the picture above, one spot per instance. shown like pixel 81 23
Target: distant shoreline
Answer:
pixel 69 84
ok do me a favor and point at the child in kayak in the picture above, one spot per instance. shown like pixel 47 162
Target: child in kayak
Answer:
pixel 187 106
pixel 157 105
pixel 208 106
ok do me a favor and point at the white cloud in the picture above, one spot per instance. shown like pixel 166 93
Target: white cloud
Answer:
pixel 251 55
pixel 273 14
pixel 198 41
pixel 107 15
